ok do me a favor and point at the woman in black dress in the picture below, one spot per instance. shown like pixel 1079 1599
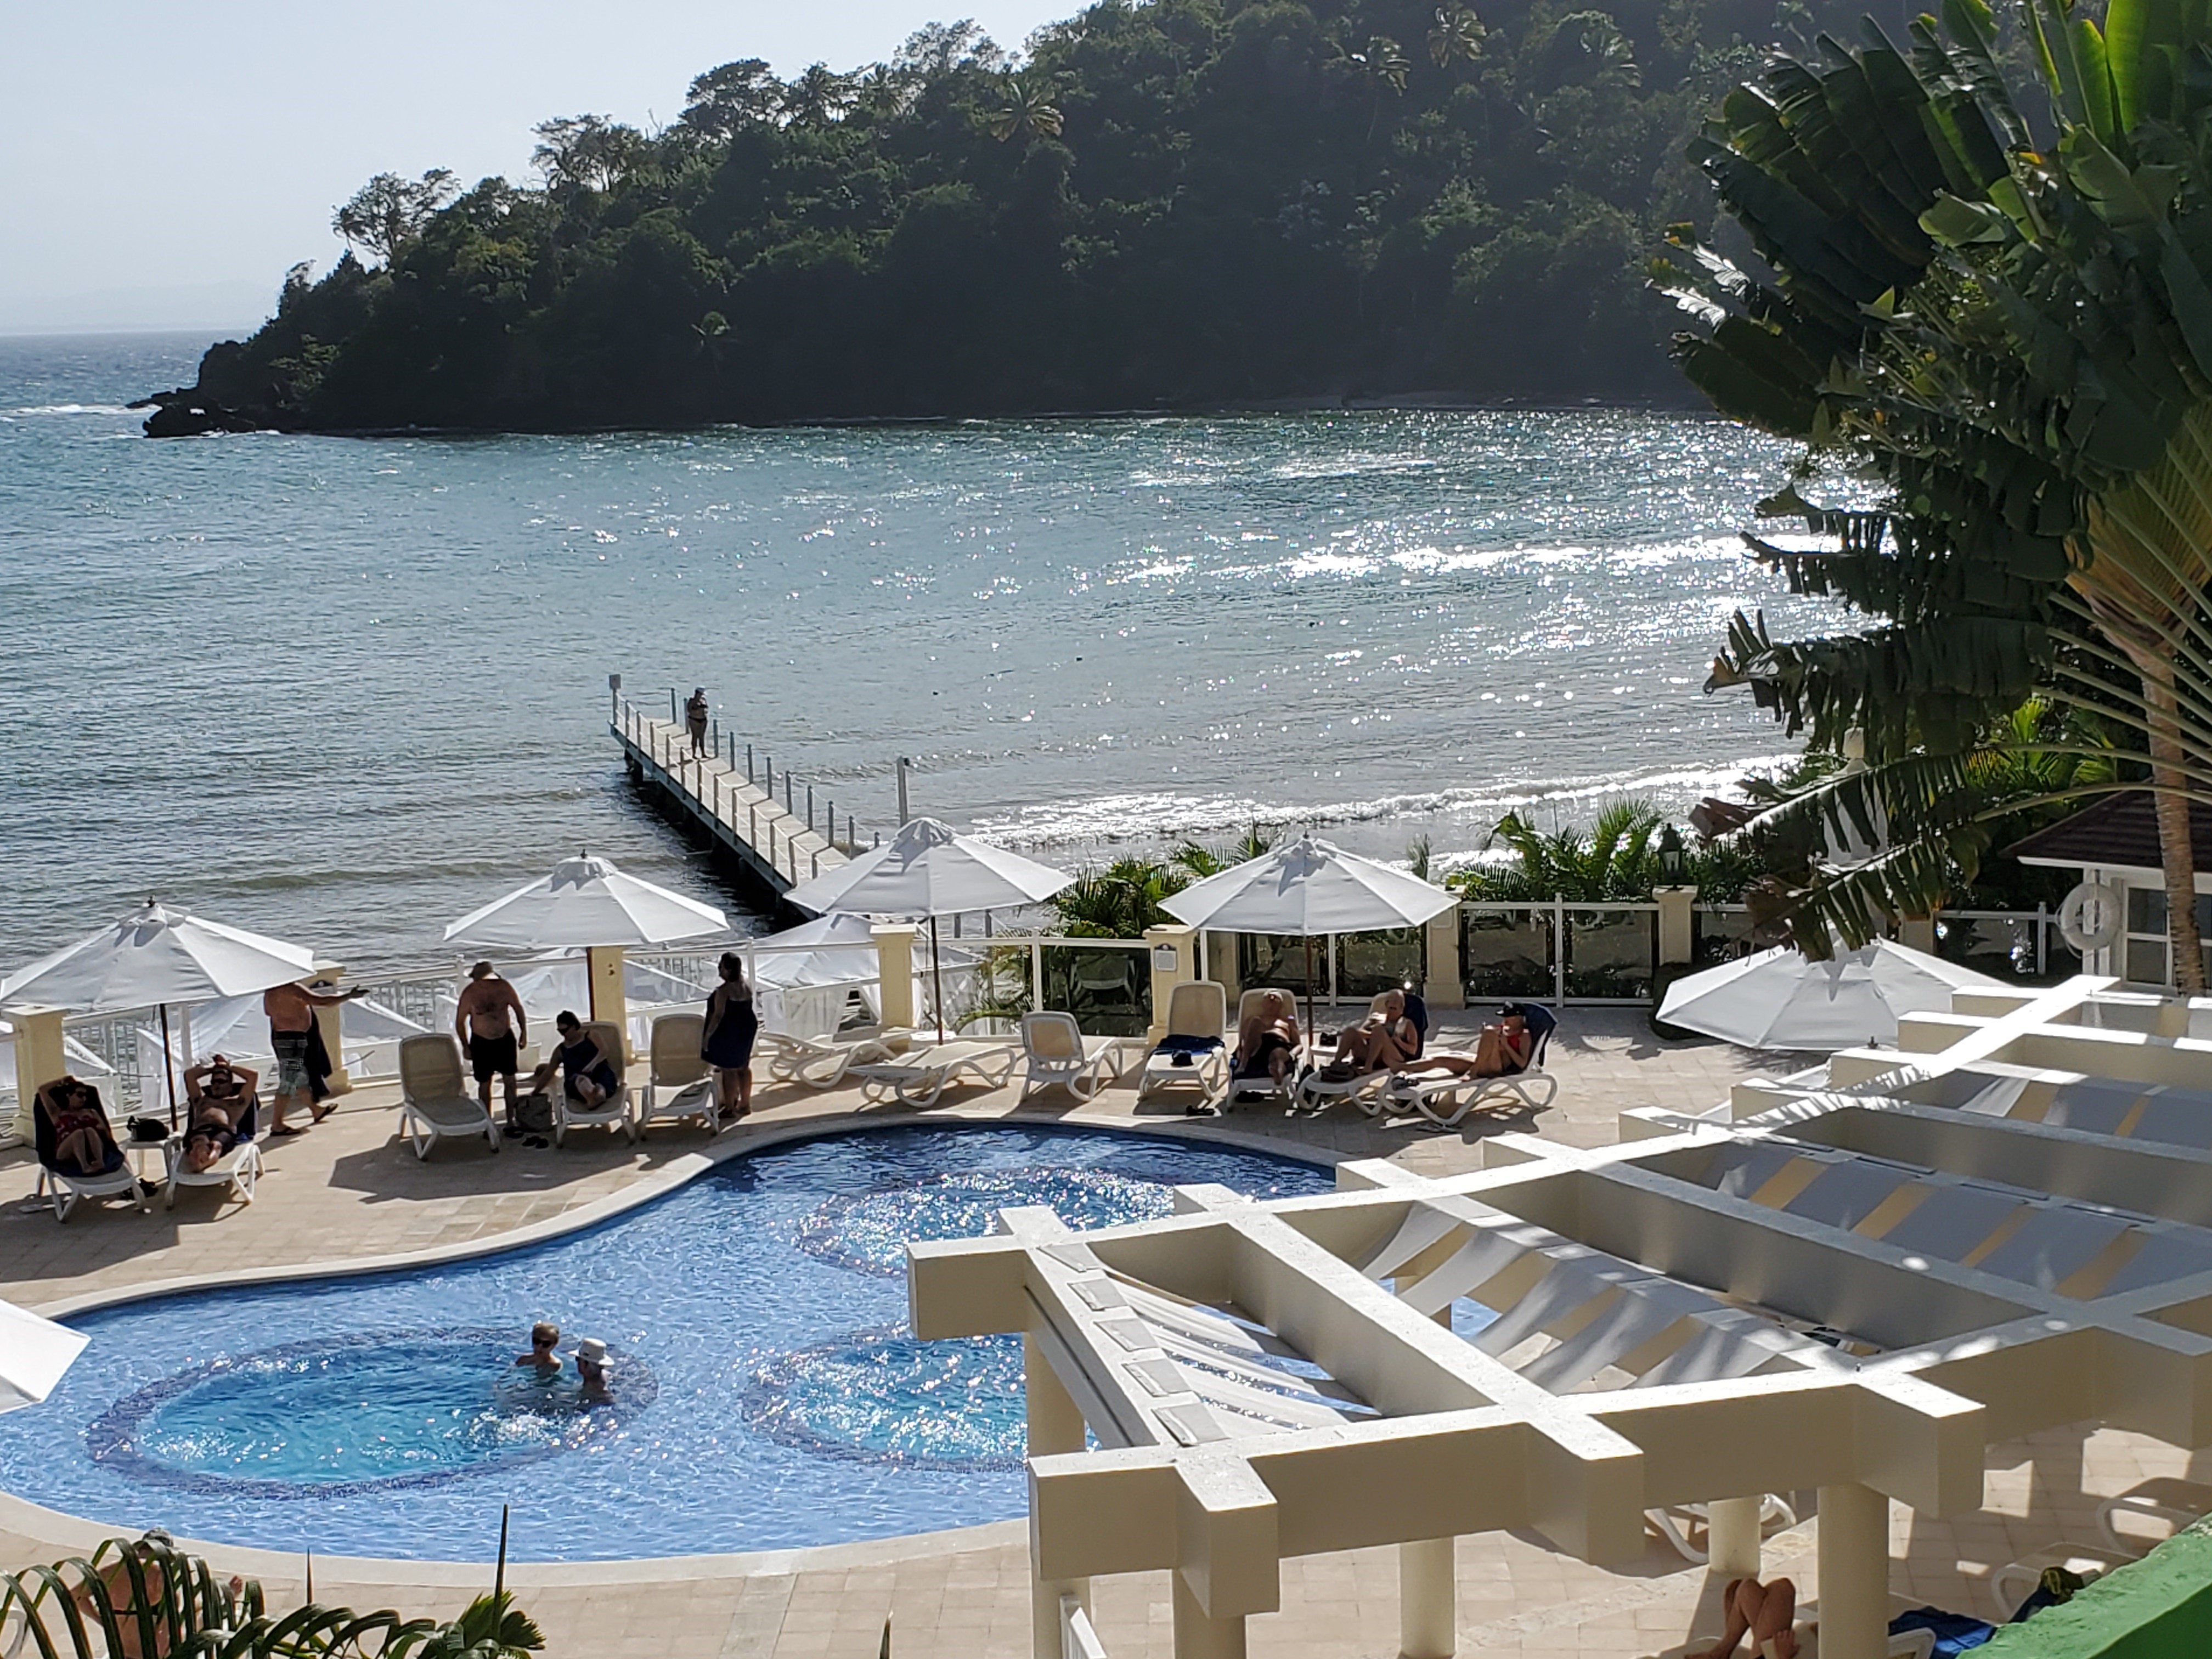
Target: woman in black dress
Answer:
pixel 727 1043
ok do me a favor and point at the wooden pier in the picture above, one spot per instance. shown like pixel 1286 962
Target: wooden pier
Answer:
pixel 780 842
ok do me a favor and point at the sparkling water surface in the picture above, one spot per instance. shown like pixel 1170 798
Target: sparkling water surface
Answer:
pixel 767 1392
pixel 345 690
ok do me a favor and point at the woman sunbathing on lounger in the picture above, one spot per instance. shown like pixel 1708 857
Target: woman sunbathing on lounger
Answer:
pixel 1383 1042
pixel 1269 1040
pixel 1765 1612
pixel 83 1142
pixel 1504 1048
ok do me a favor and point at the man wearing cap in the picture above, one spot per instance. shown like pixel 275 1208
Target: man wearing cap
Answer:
pixel 490 1023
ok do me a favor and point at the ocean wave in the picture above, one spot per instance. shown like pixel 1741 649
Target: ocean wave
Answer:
pixel 71 409
pixel 1158 818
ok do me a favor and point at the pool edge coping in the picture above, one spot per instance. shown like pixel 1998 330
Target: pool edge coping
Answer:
pixel 32 1519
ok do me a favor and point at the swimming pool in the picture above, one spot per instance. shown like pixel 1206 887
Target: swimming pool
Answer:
pixel 765 1394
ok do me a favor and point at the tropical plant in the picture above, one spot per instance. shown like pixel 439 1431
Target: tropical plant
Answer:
pixel 586 152
pixel 2015 338
pixel 1119 902
pixel 1203 861
pixel 1028 114
pixel 729 99
pixel 149 1596
pixel 818 97
pixel 1612 860
pixel 1457 34
pixel 388 212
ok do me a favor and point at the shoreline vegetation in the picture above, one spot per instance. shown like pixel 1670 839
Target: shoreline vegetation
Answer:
pixel 1188 206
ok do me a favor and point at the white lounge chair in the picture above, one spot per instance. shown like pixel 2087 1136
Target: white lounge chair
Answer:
pixel 1059 1056
pixel 66 1190
pixel 918 1077
pixel 434 1102
pixel 1445 1101
pixel 1193 1049
pixel 1235 1088
pixel 239 1168
pixel 2014 1582
pixel 678 1083
pixel 1316 1092
pixel 2176 1502
pixel 617 1111
pixel 823 1065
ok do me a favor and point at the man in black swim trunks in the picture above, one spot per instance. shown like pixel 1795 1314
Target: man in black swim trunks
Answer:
pixel 490 1023
pixel 219 1094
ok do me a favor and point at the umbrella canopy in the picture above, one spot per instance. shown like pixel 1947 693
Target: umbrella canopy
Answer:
pixel 34 1354
pixel 926 870
pixel 587 901
pixel 156 957
pixel 1779 999
pixel 1308 888
pixel 838 949
pixel 82 1062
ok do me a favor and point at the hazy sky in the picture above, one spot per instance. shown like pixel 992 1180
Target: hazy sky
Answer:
pixel 164 163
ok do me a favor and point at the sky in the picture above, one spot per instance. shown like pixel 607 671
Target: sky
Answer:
pixel 165 163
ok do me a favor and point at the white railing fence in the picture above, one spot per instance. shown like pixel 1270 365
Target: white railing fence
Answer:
pixel 1078 1639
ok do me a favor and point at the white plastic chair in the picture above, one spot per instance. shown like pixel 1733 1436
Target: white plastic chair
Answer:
pixel 617 1111
pixel 67 1190
pixel 239 1168
pixel 434 1102
pixel 823 1065
pixel 1059 1056
pixel 674 1067
pixel 1198 1010
pixel 919 1076
pixel 1235 1088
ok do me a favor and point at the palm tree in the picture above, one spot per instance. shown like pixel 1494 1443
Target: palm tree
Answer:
pixel 1120 900
pixel 1457 33
pixel 818 97
pixel 2016 339
pixel 1030 112
pixel 1611 860
pixel 1383 64
pixel 1203 861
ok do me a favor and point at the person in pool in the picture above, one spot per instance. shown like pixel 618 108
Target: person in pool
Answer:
pixel 544 1348
pixel 592 1368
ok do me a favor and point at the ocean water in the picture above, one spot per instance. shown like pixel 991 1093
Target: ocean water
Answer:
pixel 765 1391
pixel 343 690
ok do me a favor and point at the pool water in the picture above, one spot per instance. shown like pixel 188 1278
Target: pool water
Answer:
pixel 764 1390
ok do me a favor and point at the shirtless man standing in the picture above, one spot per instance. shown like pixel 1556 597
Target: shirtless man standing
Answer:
pixel 291 1011
pixel 490 1023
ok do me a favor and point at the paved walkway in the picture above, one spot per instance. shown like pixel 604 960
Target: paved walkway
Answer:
pixel 349 1190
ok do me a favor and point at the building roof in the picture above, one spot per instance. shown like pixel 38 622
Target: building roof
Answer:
pixel 2119 832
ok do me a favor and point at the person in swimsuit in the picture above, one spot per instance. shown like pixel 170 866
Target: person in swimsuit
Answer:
pixel 291 1011
pixel 1384 1041
pixel 491 1024
pixel 1765 1612
pixel 727 1042
pixel 1503 1048
pixel 695 719
pixel 591 1078
pixel 1269 1040
pixel 544 1345
pixel 83 1142
pixel 218 1095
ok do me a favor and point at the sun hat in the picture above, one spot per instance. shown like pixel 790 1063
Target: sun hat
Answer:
pixel 593 1350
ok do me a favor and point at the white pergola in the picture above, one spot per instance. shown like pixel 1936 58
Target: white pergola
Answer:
pixel 1854 1282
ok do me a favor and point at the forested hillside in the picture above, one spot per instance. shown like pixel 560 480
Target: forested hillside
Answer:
pixel 1186 203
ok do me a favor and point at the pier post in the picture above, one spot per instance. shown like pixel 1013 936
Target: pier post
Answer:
pixel 1176 947
pixel 895 975
pixel 810 807
pixel 790 803
pixel 749 762
pixel 39 1058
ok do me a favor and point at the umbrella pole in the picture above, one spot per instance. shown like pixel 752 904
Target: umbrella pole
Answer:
pixel 1313 1031
pixel 937 974
pixel 168 1066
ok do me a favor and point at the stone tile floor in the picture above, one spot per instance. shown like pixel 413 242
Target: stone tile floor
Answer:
pixel 350 1190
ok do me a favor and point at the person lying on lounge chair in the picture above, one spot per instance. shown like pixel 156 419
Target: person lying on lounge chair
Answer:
pixel 1501 1050
pixel 219 1094
pixel 1383 1042
pixel 1269 1041
pixel 1765 1612
pixel 76 1130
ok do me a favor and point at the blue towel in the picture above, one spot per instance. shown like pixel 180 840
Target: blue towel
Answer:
pixel 1954 1632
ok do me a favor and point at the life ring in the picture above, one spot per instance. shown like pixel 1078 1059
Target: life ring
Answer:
pixel 2091 917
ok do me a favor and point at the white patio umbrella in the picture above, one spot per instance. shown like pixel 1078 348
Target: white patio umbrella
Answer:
pixel 928 871
pixel 587 901
pixel 34 1354
pixel 152 958
pixel 1312 888
pixel 1779 999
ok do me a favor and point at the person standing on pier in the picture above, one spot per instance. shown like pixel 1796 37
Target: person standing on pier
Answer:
pixel 491 1024
pixel 695 717
pixel 291 1011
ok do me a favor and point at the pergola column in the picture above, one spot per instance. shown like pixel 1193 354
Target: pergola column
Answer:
pixel 1055 1425
pixel 1732 1537
pixel 1199 1637
pixel 1854 1553
pixel 1428 1600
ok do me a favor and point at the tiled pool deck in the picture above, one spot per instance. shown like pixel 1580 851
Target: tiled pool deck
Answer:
pixel 349 1190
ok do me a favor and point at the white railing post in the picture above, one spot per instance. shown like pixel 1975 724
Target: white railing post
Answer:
pixel 1036 976
pixel 1558 951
